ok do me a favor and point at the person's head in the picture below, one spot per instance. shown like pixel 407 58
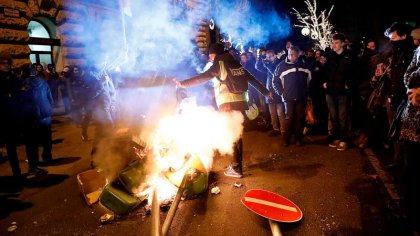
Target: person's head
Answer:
pixel 310 53
pixel 215 49
pixel 243 59
pixel 293 54
pixel 415 34
pixel 39 67
pixel 27 71
pixel 338 43
pixel 318 54
pixel 371 45
pixel 66 68
pixel 397 31
pixel 271 55
pixel 5 62
pixel 288 44
pixel 76 70
pixel 50 67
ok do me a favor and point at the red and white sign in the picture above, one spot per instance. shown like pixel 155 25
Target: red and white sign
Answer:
pixel 271 206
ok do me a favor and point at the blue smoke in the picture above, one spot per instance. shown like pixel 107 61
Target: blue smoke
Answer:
pixel 248 24
pixel 159 35
pixel 156 37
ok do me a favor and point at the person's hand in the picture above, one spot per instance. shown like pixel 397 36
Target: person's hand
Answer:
pixel 379 69
pixel 270 95
pixel 178 83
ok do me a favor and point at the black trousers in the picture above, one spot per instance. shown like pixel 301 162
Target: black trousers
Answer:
pixel 38 135
pixel 295 119
pixel 12 138
pixel 237 155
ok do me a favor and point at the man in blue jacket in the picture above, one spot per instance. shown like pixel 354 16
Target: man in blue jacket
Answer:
pixel 291 81
pixel 39 110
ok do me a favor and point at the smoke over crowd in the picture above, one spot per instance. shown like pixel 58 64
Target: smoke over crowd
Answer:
pixel 159 35
pixel 251 24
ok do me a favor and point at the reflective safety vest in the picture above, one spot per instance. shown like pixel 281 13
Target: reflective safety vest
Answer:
pixel 222 94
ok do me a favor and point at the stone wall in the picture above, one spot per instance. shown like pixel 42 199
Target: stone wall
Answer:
pixel 13 30
pixel 68 16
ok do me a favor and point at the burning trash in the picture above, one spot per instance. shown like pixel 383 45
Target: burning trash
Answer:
pixel 170 163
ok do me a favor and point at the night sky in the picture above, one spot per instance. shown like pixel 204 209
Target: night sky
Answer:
pixel 356 19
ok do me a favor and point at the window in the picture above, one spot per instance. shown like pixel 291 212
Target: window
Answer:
pixel 40 43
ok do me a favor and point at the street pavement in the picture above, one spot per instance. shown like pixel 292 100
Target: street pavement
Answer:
pixel 339 193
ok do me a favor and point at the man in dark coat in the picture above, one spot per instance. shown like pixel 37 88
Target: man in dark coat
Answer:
pixel 10 112
pixel 226 100
pixel 339 80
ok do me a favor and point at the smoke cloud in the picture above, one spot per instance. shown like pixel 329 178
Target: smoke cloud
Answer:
pixel 159 35
pixel 250 24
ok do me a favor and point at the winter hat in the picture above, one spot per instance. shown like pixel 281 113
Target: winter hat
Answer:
pixel 400 27
pixel 216 48
pixel 415 34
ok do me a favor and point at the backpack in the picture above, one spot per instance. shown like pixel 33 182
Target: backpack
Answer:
pixel 234 76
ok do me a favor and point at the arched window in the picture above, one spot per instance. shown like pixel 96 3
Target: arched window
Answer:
pixel 40 43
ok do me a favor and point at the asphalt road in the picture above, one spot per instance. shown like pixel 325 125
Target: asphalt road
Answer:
pixel 339 193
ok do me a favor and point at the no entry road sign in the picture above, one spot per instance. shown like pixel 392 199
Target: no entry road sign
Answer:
pixel 271 206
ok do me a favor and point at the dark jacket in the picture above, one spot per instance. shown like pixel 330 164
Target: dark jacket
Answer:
pixel 291 81
pixel 340 73
pixel 41 101
pixel 11 116
pixel 402 54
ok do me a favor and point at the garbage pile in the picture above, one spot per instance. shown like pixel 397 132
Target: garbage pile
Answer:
pixel 130 188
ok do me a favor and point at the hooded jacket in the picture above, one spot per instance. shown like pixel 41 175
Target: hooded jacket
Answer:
pixel 41 104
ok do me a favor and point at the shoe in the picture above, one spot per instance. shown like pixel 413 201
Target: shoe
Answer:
pixel 334 143
pixel 37 172
pixel 231 172
pixel 274 133
pixel 342 146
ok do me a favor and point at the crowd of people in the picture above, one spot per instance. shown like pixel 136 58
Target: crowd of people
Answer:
pixel 28 97
pixel 339 81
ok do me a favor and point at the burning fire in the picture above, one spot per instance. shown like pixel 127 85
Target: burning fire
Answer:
pixel 187 140
pixel 180 145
